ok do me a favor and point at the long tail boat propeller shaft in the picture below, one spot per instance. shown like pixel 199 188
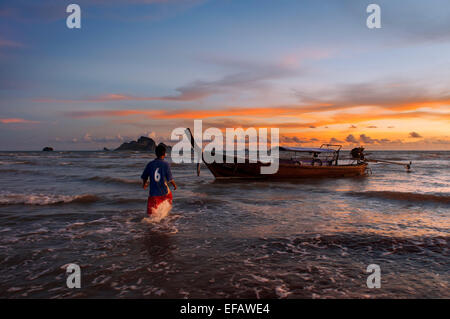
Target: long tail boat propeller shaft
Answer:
pixel 358 154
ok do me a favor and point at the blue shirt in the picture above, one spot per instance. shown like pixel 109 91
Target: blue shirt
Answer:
pixel 159 173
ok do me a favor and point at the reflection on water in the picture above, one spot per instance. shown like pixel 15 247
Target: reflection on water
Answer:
pixel 283 239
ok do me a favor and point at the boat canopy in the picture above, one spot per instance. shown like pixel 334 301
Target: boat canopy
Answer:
pixel 307 150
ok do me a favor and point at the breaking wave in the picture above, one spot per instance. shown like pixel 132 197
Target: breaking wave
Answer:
pixel 404 196
pixel 45 199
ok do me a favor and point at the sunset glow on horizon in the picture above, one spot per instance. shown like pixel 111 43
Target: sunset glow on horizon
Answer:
pixel 146 68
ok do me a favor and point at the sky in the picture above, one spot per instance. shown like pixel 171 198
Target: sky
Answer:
pixel 313 69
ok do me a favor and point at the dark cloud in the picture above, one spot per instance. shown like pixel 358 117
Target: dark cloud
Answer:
pixel 351 139
pixel 367 139
pixel 335 140
pixel 414 135
pixel 437 141
pixel 292 139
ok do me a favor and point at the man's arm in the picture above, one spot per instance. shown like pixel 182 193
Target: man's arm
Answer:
pixel 144 178
pixel 170 177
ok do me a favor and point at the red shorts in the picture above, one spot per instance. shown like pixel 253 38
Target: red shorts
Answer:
pixel 154 201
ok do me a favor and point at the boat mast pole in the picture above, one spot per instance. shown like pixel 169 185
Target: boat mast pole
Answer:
pixel 195 147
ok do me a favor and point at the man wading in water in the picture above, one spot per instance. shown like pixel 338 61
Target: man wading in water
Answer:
pixel 159 173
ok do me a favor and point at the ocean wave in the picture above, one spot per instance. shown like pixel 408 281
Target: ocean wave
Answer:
pixel 398 245
pixel 128 200
pixel 17 163
pixel 348 243
pixel 438 156
pixel 115 180
pixel 404 196
pixel 22 171
pixel 10 171
pixel 45 199
pixel 65 163
pixel 138 165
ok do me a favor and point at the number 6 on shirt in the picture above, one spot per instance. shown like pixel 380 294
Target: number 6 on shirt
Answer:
pixel 157 175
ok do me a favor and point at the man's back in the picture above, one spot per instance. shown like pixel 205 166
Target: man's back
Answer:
pixel 159 173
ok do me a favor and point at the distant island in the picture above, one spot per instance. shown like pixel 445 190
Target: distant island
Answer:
pixel 143 144
pixel 47 149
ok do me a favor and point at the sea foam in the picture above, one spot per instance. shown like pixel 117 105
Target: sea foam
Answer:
pixel 44 199
pixel 160 213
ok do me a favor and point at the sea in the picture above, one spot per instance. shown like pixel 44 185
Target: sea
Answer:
pixel 222 239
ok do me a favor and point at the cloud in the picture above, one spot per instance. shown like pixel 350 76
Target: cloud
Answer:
pixel 191 113
pixel 367 140
pixel 351 139
pixel 420 22
pixel 437 141
pixel 245 116
pixel 294 59
pixel 371 126
pixel 16 121
pixel 391 100
pixel 334 140
pixel 414 135
pixel 383 94
pixel 292 139
pixel 247 76
pixel 87 138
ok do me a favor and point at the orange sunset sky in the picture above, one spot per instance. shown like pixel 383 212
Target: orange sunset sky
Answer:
pixel 312 69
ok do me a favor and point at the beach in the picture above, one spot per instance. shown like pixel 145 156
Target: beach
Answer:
pixel 222 239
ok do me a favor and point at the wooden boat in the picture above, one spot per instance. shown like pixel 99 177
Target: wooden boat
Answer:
pixel 303 163
pixel 287 170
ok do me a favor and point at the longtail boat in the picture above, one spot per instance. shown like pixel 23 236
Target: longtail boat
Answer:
pixel 296 163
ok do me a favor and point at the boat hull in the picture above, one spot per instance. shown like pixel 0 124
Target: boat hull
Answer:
pixel 285 171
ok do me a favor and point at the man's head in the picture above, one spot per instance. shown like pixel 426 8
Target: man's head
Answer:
pixel 160 151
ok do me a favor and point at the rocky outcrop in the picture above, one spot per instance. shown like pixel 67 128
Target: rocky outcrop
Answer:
pixel 142 144
pixel 47 149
